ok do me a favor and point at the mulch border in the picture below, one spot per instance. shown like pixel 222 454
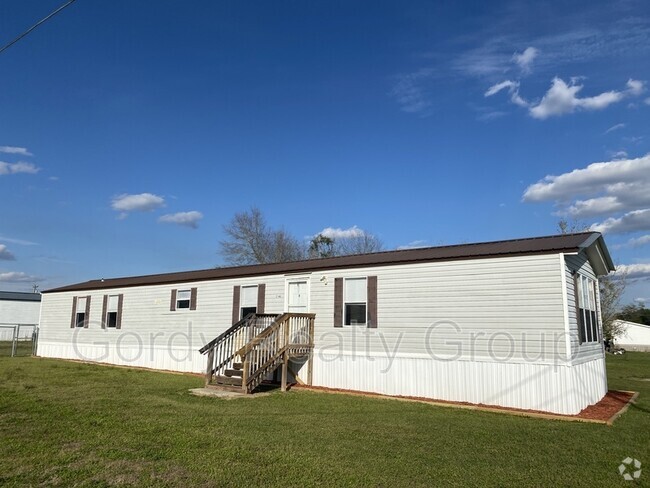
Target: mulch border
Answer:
pixel 481 407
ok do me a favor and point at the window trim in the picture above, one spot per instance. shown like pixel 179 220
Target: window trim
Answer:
pixel 106 311
pixel 175 299
pixel 346 303
pixel 242 306
pixel 587 307
pixel 179 299
pixel 75 323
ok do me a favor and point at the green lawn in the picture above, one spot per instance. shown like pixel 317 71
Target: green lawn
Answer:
pixel 69 424
pixel 23 348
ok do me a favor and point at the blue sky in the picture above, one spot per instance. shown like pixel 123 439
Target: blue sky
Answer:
pixel 131 132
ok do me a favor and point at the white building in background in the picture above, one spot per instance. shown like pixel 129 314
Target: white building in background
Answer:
pixel 17 308
pixel 493 323
pixel 635 337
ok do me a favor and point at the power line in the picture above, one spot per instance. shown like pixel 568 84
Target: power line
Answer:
pixel 43 20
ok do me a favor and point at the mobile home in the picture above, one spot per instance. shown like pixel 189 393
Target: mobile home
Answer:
pixel 511 323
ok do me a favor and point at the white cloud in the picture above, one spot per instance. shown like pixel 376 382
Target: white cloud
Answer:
pixel 618 154
pixel 22 242
pixel 142 202
pixel 507 84
pixel 638 241
pixel 18 277
pixel 413 245
pixel 636 220
pixel 615 127
pixel 613 186
pixel 562 98
pixel 6 254
pixel 634 271
pixel 187 219
pixel 513 90
pixel 411 93
pixel 616 38
pixel 22 151
pixel 338 233
pixel 525 59
pixel 20 167
pixel 635 87
pixel 647 101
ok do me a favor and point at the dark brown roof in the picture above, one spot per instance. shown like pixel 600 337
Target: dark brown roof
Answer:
pixel 516 247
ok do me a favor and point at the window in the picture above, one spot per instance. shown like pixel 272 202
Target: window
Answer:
pixel 183 299
pixel 248 303
pixel 80 315
pixel 588 320
pixel 355 301
pixel 111 314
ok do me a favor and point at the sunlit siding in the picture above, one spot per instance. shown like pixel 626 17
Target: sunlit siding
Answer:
pixel 483 309
pixel 580 352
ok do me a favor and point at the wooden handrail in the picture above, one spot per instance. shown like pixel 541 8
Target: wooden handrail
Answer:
pixel 265 333
pixel 268 340
pixel 232 329
pixel 269 330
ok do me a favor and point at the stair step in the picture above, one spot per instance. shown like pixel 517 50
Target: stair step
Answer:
pixel 227 380
pixel 234 372
pixel 237 365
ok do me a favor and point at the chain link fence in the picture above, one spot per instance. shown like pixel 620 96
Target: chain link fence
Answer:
pixel 18 339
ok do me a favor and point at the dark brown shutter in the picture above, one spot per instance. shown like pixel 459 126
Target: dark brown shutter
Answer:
pixel 261 297
pixel 104 306
pixel 235 304
pixel 74 313
pixel 87 318
pixel 193 299
pixel 338 302
pixel 172 305
pixel 578 314
pixel 120 300
pixel 372 302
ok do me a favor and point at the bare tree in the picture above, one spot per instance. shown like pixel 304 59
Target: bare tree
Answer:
pixel 358 244
pixel 566 227
pixel 251 241
pixel 322 246
pixel 612 287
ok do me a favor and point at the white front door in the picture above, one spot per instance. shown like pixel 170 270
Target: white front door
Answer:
pixel 297 301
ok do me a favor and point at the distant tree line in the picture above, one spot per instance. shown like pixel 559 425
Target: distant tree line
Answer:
pixel 635 312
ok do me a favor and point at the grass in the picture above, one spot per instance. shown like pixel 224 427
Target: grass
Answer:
pixel 72 424
pixel 23 348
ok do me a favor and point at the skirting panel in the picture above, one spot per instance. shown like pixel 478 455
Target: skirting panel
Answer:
pixel 562 389
pixel 172 359
pixel 559 389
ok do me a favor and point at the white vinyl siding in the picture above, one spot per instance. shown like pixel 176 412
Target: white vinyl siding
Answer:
pixel 506 309
pixel 586 351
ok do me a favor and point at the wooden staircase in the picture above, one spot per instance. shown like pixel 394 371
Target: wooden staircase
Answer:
pixel 249 351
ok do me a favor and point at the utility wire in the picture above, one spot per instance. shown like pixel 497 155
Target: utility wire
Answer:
pixel 43 20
